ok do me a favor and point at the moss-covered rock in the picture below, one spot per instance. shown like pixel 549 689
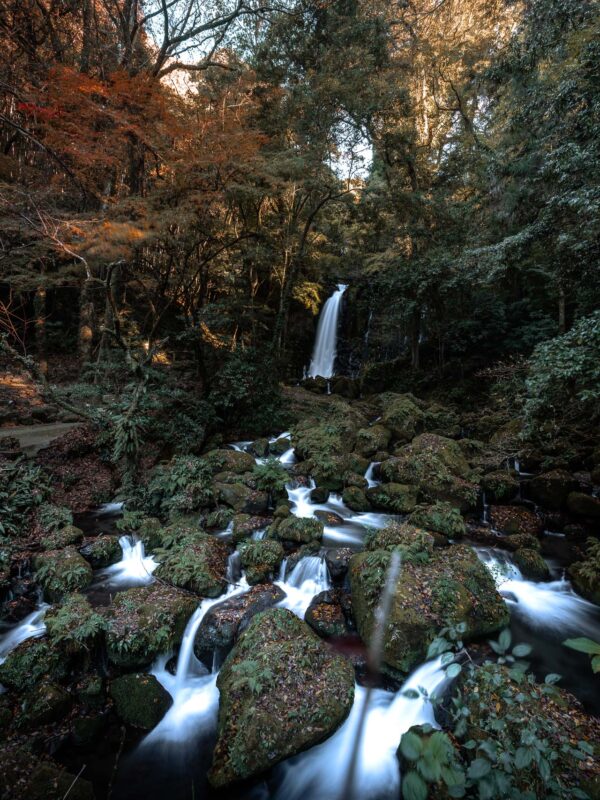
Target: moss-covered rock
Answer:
pixel 441 420
pixel 279 446
pixel 140 700
pixel 402 416
pixel 444 587
pixel 584 505
pixel 32 662
pixel 531 564
pixel 219 519
pixel 328 613
pixel 224 622
pixel 242 499
pixel 28 776
pixel 282 691
pixel 144 622
pixel 413 544
pixel 551 489
pixel 244 525
pixel 441 518
pixel 520 540
pixel 74 625
pixel 63 537
pixel 101 551
pixel 585 574
pixel 395 498
pixel 148 529
pixel 44 703
pixel 355 498
pixel 61 571
pixel 338 561
pixel 437 467
pixel 372 440
pixel 500 486
pixel 229 461
pixel 300 529
pixel 515 520
pixel 261 560
pixel 197 562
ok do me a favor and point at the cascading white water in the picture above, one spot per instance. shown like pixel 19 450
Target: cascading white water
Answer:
pixel 551 605
pixel 308 578
pixel 134 569
pixel 322 770
pixel 323 358
pixel 369 474
pixel 31 627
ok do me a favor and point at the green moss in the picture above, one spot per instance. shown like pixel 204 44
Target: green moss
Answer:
pixel 531 564
pixel 140 700
pixel 585 573
pixel 101 551
pixel 402 416
pixel 300 529
pixel 31 662
pixel 395 498
pixel 63 537
pixel 500 485
pixel 439 517
pixel 74 624
pixel 196 562
pixel 62 571
pixel 355 498
pixel 372 440
pixel 261 560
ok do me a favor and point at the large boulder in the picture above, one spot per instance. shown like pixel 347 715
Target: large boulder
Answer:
pixel 355 498
pixel 441 518
pixel 242 499
pixel 144 622
pixel 329 613
pixel 32 662
pixel 436 588
pixel 229 461
pixel 551 489
pixel 515 520
pixel 261 560
pixel 585 574
pixel 63 537
pixel 402 416
pixel 500 486
pixel 282 691
pixel 61 571
pixel 197 562
pixel 338 561
pixel 300 529
pixel 225 622
pixel 101 551
pixel 371 440
pixel 584 505
pixel 531 564
pixel 395 498
pixel 140 700
pixel 437 467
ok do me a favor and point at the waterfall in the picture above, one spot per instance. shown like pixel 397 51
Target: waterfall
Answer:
pixel 134 569
pixel 323 359
pixel 308 578
pixel 369 474
pixel 32 626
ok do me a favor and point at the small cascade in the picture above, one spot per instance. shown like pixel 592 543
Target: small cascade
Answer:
pixel 323 358
pixel 369 474
pixel 258 536
pixel 308 578
pixel 31 627
pixel 485 517
pixel 321 771
pixel 288 458
pixel 240 447
pixel 109 509
pixel 234 568
pixel 299 497
pixel 134 569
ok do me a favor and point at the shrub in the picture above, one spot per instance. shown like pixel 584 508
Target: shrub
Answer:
pixel 23 488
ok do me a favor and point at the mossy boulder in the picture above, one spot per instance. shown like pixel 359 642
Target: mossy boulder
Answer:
pixel 144 622
pixel 197 562
pixel 413 544
pixel 62 571
pixel 520 540
pixel 551 489
pixel 300 529
pixel 435 589
pixel 356 499
pixel 74 625
pixel 242 499
pixel 585 574
pixel 43 704
pixel 63 537
pixel 32 662
pixel 395 498
pixel 372 440
pixel 219 519
pixel 437 467
pixel 328 613
pixel 584 505
pixel 148 529
pixel 229 461
pixel 101 551
pixel 441 420
pixel 515 520
pixel 279 446
pixel 140 700
pixel 441 518
pixel 244 525
pixel 402 416
pixel 531 564
pixel 224 622
pixel 28 776
pixel 261 560
pixel 338 561
pixel 282 691
pixel 500 486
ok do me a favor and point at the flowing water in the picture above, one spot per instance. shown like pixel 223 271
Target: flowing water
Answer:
pixel 134 569
pixel 31 627
pixel 325 350
pixel 371 481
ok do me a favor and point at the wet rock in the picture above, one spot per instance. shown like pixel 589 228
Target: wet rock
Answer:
pixel 292 560
pixel 61 571
pixel 515 519
pixel 140 700
pixel 319 495
pixel 300 529
pixel 144 622
pixel 280 446
pixel 531 564
pixel 45 703
pixel 585 574
pixel 500 486
pixel 338 561
pixel 242 499
pixel 401 416
pixel 395 498
pixel 329 518
pixel 63 537
pixel 356 499
pixel 32 662
pixel 346 387
pixel 148 529
pixel 551 489
pixel 436 588
pixel 521 540
pixel 234 461
pixel 101 551
pixel 260 447
pixel 440 518
pixel 261 560
pixel 224 622
pixel 328 613
pixel 244 525
pixel 219 519
pixel 315 385
pixel 372 439
pixel 584 505
pixel 28 776
pixel 282 691
pixel 196 562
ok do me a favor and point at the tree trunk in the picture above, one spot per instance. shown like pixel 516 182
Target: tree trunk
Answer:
pixel 562 316
pixel 415 335
pixel 39 313
pixel 86 46
pixel 86 324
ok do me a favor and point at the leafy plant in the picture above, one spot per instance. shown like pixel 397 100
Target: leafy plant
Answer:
pixel 588 646
pixel 271 476
pixel 252 674
pixel 23 487
pixel 53 517
pixel 75 624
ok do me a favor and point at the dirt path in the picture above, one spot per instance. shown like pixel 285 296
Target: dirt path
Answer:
pixel 34 437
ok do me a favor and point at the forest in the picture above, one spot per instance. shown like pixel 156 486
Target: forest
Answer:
pixel 299 399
